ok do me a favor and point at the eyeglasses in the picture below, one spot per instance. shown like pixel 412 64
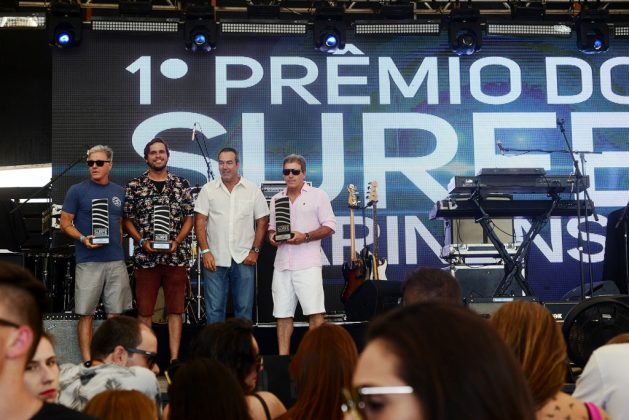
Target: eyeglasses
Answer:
pixel 356 404
pixel 98 163
pixel 7 323
pixel 151 358
pixel 291 171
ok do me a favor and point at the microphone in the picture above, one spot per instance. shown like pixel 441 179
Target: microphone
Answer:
pixel 502 149
pixel 194 131
pixel 560 122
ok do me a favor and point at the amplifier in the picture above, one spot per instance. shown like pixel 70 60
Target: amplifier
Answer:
pixel 482 281
pixel 62 327
pixel 487 306
pixel 559 309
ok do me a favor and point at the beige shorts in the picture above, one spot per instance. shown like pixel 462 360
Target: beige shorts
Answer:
pixel 107 279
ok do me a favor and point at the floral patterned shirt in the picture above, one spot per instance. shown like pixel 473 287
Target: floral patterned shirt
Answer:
pixel 141 195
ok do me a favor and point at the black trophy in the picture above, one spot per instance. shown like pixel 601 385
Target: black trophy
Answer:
pixel 282 219
pixel 161 227
pixel 100 221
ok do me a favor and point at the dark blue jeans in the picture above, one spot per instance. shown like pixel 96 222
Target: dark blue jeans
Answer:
pixel 239 278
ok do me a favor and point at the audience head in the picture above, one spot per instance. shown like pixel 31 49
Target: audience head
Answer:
pixel 620 339
pixel 125 341
pixel 119 404
pixel 42 371
pixel 429 284
pixel 535 339
pixel 204 389
pixel 444 362
pixel 22 304
pixel 323 366
pixel 232 344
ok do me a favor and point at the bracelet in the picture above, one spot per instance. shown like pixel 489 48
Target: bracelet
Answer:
pixel 307 239
pixel 141 242
pixel 204 251
pixel 82 238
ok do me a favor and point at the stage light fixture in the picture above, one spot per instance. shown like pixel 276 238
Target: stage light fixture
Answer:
pixel 200 29
pixel 64 23
pixel 329 28
pixel 465 31
pixel 592 31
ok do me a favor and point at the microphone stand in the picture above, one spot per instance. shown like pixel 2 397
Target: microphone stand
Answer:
pixel 50 287
pixel 205 154
pixel 624 219
pixel 581 186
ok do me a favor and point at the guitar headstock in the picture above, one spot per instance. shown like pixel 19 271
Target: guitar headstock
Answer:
pixel 352 197
pixel 372 192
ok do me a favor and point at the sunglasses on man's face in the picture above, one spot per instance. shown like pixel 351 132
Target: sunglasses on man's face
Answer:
pixel 151 358
pixel 98 163
pixel 291 171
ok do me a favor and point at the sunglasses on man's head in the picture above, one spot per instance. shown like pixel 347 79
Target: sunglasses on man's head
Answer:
pixel 98 163
pixel 291 171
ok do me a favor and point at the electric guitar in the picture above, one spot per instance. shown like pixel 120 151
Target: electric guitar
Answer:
pixel 353 270
pixel 378 266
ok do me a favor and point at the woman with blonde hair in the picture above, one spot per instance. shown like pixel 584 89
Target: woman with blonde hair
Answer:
pixel 535 338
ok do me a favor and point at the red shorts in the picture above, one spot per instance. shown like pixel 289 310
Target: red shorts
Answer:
pixel 148 281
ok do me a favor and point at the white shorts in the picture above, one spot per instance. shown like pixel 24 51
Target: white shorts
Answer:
pixel 304 285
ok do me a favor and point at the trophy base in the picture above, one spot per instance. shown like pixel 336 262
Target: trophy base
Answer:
pixel 283 237
pixel 100 241
pixel 161 245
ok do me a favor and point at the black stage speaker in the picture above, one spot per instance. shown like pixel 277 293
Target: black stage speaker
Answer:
pixel 372 298
pixel 599 288
pixel 62 327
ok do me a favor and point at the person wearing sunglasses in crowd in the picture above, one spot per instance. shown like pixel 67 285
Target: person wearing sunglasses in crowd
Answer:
pixel 231 216
pixel 100 264
pixel 124 356
pixel 232 343
pixel 160 261
pixel 297 274
pixel 437 361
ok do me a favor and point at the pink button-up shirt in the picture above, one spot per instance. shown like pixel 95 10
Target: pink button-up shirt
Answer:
pixel 310 210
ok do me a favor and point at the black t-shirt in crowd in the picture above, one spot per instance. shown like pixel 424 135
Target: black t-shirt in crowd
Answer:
pixel 59 412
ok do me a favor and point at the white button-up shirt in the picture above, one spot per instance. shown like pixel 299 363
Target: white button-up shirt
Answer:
pixel 231 219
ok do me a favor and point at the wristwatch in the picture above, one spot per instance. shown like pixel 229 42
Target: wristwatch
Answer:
pixel 256 249
pixel 307 237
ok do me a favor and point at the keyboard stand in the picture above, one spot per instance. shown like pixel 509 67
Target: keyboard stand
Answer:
pixel 513 264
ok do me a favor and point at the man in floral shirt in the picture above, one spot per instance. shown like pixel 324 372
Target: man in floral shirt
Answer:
pixel 160 267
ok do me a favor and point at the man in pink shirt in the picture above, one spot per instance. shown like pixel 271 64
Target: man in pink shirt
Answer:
pixel 297 275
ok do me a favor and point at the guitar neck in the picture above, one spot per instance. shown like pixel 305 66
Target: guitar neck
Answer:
pixel 375 230
pixel 352 234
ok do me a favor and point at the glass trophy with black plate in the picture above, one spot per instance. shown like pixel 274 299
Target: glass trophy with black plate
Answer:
pixel 161 227
pixel 100 221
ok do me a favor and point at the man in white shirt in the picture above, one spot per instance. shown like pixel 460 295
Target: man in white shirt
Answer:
pixel 231 217
pixel 124 353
